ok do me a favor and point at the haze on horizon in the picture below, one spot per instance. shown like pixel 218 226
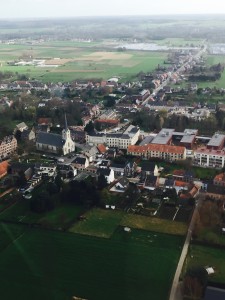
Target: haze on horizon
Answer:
pixel 14 9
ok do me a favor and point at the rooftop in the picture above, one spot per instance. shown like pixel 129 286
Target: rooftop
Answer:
pixel 163 137
pixel 216 140
pixel 157 148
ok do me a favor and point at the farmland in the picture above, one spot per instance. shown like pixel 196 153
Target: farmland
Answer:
pixel 78 61
pixel 56 265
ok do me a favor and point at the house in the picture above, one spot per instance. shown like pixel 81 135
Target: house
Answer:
pixel 150 182
pixel 119 167
pixel 56 143
pixel 16 168
pixel 149 168
pixel 102 148
pixel 21 127
pixel 107 173
pixel 28 135
pixel 104 164
pixel 120 186
pixel 80 163
pixel 90 152
pixel 45 170
pixel 219 179
pixel 8 145
pixel 67 170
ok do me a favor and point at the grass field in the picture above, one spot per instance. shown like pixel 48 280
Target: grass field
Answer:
pixel 99 222
pixel 55 265
pixel 207 256
pixel 60 217
pixel 79 61
pixel 154 224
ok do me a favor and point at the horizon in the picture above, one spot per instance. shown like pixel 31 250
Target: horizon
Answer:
pixel 24 9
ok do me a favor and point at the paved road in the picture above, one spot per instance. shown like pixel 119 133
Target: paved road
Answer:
pixel 175 292
pixel 180 70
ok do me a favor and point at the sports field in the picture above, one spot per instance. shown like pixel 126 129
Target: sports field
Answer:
pixel 54 265
pixel 72 60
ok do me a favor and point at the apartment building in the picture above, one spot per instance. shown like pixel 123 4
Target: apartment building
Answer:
pixel 165 152
pixel 8 145
pixel 209 158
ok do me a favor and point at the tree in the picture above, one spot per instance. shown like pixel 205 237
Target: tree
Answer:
pixel 102 182
pixel 89 127
pixel 195 281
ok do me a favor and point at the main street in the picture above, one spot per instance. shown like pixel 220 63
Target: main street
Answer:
pixel 178 71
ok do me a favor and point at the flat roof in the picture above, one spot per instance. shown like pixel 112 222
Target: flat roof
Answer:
pixel 147 140
pixel 216 140
pixel 188 138
pixel 163 137
pixel 210 152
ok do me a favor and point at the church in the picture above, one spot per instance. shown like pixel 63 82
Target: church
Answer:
pixel 60 144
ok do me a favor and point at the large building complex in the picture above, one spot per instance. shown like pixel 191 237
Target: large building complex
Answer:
pixel 119 140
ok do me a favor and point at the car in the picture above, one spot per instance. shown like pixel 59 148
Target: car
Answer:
pixel 27 195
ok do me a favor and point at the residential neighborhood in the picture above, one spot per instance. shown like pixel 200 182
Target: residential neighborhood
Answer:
pixel 112 155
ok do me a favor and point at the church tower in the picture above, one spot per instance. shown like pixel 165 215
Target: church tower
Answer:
pixel 66 131
pixel 69 145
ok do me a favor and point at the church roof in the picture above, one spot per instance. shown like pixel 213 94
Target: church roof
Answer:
pixel 51 139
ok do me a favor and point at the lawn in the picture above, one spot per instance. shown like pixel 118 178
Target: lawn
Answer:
pixel 98 222
pixel 207 256
pixel 56 266
pixel 154 224
pixel 61 216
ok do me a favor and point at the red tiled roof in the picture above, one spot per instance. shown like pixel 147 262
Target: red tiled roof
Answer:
pixel 158 148
pixel 101 148
pixel 178 173
pixel 3 168
pixel 44 121
pixel 181 183
pixel 220 177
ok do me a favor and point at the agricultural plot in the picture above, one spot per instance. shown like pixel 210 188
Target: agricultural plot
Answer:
pixel 54 265
pixel 69 61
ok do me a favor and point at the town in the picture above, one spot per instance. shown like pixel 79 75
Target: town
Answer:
pixel 111 162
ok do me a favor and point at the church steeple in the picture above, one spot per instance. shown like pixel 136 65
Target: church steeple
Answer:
pixel 66 126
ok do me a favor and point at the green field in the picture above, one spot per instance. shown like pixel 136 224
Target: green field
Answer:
pixel 55 265
pixel 207 256
pixel 80 61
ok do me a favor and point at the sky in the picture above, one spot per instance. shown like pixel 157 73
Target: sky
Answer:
pixel 77 8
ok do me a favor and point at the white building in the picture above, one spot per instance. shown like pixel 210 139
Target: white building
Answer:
pixel 209 158
pixel 120 140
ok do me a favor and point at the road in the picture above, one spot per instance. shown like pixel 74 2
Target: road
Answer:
pixel 180 70
pixel 175 292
